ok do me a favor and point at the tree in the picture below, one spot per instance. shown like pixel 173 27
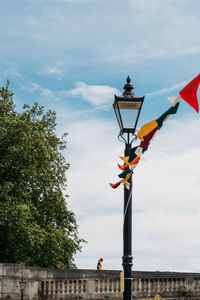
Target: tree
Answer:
pixel 36 227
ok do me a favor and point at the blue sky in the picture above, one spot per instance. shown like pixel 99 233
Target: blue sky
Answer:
pixel 73 56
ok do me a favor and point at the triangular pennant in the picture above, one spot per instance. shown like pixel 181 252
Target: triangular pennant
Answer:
pixel 170 111
pixel 147 139
pixel 132 154
pixel 189 93
pixel 124 167
pixel 115 185
pixel 139 151
pixel 125 159
pixel 174 100
pixel 132 167
pixel 134 161
pixel 124 173
pixel 146 128
pixel 126 178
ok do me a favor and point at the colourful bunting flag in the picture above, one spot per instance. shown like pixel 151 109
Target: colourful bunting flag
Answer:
pixel 132 167
pixel 189 93
pixel 147 138
pixel 132 154
pixel 124 173
pixel 125 159
pixel 115 185
pixel 126 178
pixel 170 111
pixel 146 128
pixel 133 161
pixel 123 167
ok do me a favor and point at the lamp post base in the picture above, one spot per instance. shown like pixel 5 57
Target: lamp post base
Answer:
pixel 127 266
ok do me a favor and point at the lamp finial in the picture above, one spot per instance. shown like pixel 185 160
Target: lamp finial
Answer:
pixel 128 87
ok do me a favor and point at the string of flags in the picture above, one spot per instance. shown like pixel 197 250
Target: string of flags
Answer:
pixel 148 131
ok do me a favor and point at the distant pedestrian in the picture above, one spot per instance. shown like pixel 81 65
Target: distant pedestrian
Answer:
pixel 99 264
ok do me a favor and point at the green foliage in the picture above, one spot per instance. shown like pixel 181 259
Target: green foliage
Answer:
pixel 183 291
pixel 36 228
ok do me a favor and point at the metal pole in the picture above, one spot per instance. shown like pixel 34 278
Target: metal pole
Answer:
pixel 22 294
pixel 127 235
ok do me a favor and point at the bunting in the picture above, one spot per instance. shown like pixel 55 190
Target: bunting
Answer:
pixel 147 132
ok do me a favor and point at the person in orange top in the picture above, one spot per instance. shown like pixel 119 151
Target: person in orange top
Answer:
pixel 99 264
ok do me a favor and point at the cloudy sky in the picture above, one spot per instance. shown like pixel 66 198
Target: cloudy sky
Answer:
pixel 73 56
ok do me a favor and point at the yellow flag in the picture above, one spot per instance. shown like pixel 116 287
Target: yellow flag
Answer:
pixel 125 159
pixel 146 128
pixel 126 178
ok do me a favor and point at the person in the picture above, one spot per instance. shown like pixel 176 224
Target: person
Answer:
pixel 99 264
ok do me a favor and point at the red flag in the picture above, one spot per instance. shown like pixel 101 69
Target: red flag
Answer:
pixel 147 138
pixel 189 93
pixel 115 185
pixel 122 167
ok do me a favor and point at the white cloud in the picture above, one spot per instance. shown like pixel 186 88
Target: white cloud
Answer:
pixel 53 70
pixel 172 88
pixel 165 198
pixel 94 94
pixel 34 87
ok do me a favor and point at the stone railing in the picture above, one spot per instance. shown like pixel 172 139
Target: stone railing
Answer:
pixel 93 284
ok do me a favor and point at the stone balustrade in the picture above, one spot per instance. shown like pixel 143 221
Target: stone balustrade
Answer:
pixel 93 284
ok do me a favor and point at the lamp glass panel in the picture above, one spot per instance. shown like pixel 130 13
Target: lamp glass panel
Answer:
pixel 117 114
pixel 22 285
pixel 129 117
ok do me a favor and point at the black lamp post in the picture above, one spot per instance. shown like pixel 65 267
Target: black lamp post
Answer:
pixel 22 285
pixel 127 109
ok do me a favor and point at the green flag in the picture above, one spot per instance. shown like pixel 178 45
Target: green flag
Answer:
pixel 172 110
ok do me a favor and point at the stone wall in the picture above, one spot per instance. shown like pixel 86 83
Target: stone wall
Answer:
pixel 93 284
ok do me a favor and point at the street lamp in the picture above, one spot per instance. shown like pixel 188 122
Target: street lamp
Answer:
pixel 127 109
pixel 22 284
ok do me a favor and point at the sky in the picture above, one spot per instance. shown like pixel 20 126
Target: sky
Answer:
pixel 73 56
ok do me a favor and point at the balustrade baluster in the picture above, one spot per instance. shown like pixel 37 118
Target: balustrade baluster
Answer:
pixel 42 287
pixel 114 286
pixel 51 287
pixel 84 286
pixel 146 282
pixel 110 285
pixel 169 284
pixel 160 282
pixel 96 286
pixel 101 286
pixel 47 287
pixel 65 287
pixel 196 284
pixel 142 285
pixel 105 285
pixel 118 285
pixel 79 286
pixel 75 286
pixel 151 285
pixel 70 286
pixel 133 285
pixel 61 287
pixel 148 285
